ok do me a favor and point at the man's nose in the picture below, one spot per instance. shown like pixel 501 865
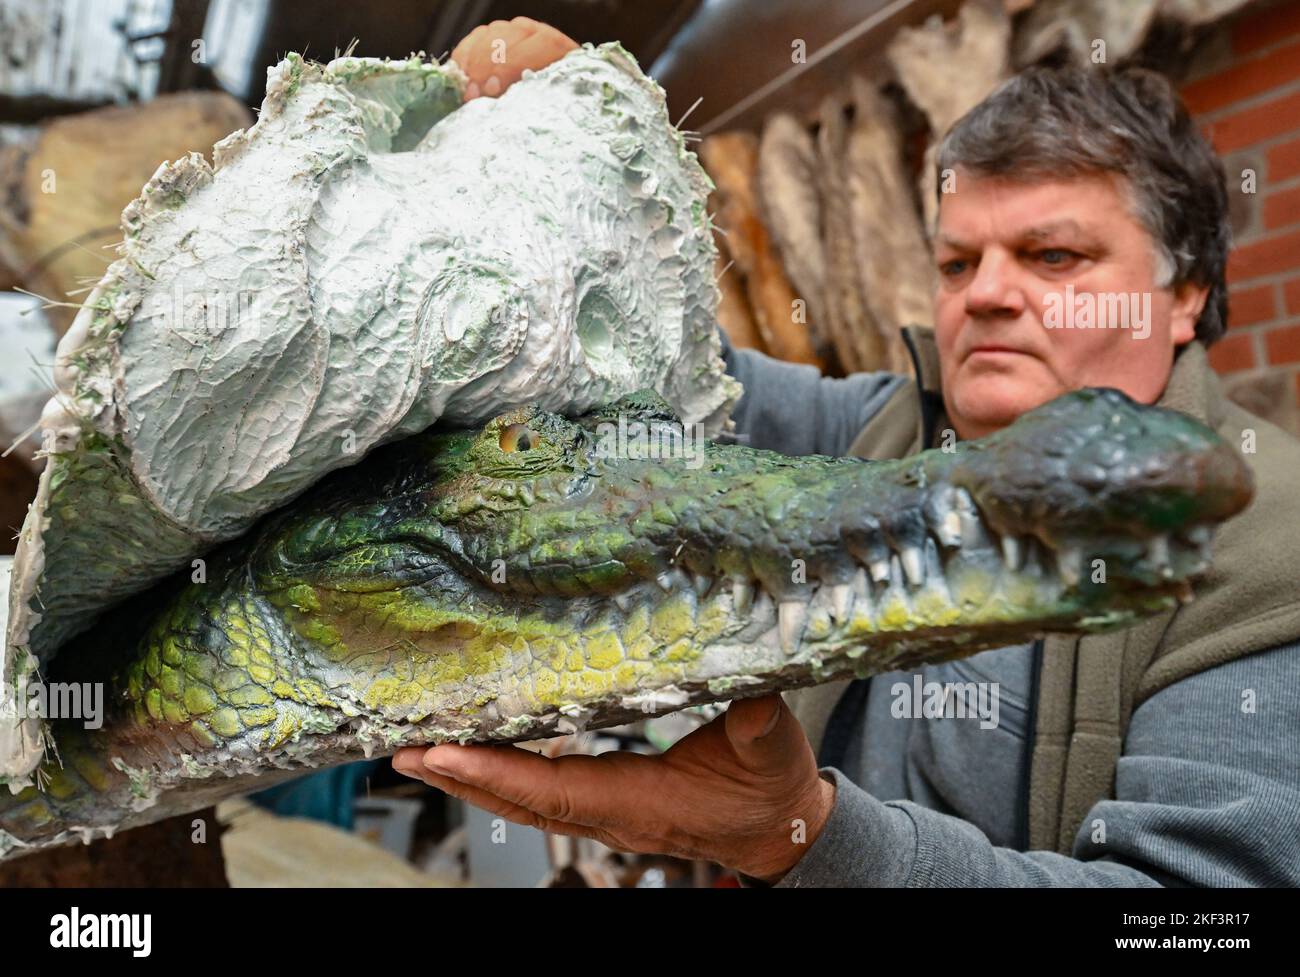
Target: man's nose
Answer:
pixel 995 289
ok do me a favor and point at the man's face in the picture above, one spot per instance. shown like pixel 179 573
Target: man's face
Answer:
pixel 1006 252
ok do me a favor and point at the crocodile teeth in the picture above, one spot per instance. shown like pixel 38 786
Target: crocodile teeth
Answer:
pixel 913 565
pixel 793 615
pixel 862 602
pixel 1200 537
pixel 841 595
pixel 973 533
pixel 742 596
pixel 934 571
pixel 1069 564
pixel 951 527
pixel 861 588
pixel 942 518
pixel 671 580
pixel 623 600
pixel 1013 552
pixel 701 583
pixel 1158 553
pixel 896 572
pixel 880 570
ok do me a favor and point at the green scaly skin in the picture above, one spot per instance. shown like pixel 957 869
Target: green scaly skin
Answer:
pixel 449 589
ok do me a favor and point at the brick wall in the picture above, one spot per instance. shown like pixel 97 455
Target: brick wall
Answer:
pixel 1243 86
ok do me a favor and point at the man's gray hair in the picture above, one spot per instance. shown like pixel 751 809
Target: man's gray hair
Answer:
pixel 1051 121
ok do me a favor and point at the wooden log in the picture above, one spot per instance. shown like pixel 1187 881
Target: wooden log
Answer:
pixel 84 169
pixel 1077 24
pixel 165 853
pixel 734 314
pixel 792 212
pixel 1196 13
pixel 731 159
pixel 947 69
pixel 858 343
pixel 17 489
pixel 895 271
pixel 13 162
pixel 1125 26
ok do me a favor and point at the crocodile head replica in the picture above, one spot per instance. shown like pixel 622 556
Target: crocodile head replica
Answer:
pixel 285 522
pixel 539 575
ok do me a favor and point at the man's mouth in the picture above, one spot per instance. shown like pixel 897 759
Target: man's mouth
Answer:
pixel 993 349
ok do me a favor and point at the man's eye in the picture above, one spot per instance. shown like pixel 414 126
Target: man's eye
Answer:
pixel 951 269
pixel 517 437
pixel 1056 256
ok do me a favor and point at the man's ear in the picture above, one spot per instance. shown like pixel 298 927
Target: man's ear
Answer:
pixel 1189 300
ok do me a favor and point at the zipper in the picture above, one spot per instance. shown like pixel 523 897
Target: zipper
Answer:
pixel 928 401
pixel 1031 736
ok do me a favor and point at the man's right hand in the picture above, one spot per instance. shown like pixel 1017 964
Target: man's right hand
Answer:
pixel 495 55
pixel 743 791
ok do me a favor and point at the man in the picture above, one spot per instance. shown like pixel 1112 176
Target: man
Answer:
pixel 1161 754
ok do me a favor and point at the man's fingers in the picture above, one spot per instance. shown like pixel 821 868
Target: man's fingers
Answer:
pixel 517 55
pixel 520 777
pixel 411 766
pixel 748 719
pixel 764 733
pixel 482 798
pixel 535 52
pixel 407 759
pixel 528 26
pixel 473 44
pixel 494 56
pixel 587 790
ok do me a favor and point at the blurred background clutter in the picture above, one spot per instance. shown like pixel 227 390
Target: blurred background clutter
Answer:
pixel 817 123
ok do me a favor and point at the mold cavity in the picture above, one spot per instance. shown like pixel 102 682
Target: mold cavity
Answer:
pixel 598 320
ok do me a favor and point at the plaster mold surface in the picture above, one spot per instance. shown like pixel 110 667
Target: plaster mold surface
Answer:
pixel 370 257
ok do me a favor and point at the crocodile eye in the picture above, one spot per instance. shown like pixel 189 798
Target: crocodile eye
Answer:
pixel 517 437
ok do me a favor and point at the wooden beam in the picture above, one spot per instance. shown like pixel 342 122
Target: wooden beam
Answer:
pixel 36 108
pixel 177 69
